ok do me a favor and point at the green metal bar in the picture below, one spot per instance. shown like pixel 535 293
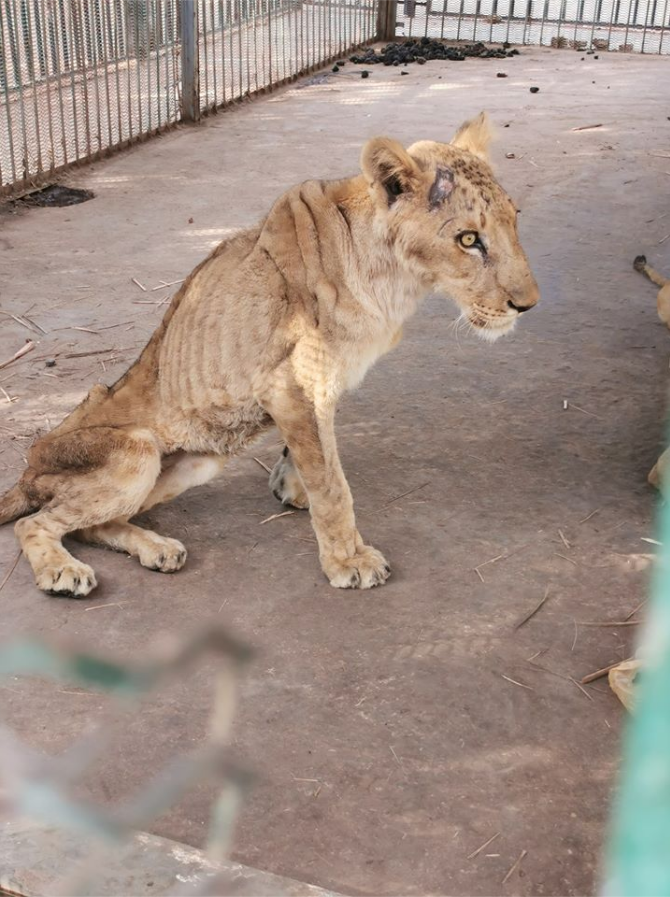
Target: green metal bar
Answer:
pixel 639 860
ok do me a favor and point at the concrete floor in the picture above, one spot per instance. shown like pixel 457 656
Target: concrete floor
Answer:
pixel 387 743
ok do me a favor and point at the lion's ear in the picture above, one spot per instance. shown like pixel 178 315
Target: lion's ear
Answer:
pixel 389 167
pixel 475 136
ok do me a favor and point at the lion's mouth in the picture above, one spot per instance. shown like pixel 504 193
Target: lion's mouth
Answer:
pixel 491 329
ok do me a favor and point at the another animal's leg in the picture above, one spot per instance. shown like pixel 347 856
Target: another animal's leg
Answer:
pixel 640 264
pixel 286 484
pixel 663 298
pixel 310 436
pixel 91 476
pixel 180 472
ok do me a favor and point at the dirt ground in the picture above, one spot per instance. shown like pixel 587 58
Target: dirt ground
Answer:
pixel 393 732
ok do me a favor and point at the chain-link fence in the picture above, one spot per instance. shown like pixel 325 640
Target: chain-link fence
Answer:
pixel 79 78
pixel 619 25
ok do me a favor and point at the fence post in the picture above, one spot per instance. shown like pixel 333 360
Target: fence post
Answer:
pixel 190 78
pixel 386 16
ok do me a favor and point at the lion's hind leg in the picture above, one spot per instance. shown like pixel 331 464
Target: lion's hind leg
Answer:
pixel 153 551
pixel 92 476
pixel 179 472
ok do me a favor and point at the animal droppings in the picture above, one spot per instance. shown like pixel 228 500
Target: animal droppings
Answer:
pixel 535 90
pixel 425 49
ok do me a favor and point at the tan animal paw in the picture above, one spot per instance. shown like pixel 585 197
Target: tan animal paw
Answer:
pixel 163 554
pixel 72 579
pixel 286 485
pixel 365 570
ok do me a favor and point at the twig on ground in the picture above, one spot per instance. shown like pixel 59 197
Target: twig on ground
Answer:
pixel 520 684
pixel 534 610
pixel 598 674
pixel 610 623
pixel 515 866
pixel 564 540
pixel 162 285
pixel 28 347
pixel 581 688
pixel 403 494
pixel 138 284
pixel 111 604
pixel 586 128
pixel 263 465
pixel 11 570
pixel 565 558
pixel 276 516
pixel 475 853
pixel 589 516
pixel 636 609
pixel 94 352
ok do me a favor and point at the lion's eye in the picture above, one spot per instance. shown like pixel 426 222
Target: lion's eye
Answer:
pixel 468 238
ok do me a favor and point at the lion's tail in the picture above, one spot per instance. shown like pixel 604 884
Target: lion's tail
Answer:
pixel 640 264
pixel 14 504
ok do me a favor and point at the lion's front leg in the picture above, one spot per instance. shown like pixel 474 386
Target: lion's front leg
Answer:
pixel 310 436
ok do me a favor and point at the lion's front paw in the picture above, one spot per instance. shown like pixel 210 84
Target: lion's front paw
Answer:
pixel 71 579
pixel 365 570
pixel 163 554
pixel 286 485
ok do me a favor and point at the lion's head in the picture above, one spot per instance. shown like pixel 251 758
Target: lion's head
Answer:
pixel 453 225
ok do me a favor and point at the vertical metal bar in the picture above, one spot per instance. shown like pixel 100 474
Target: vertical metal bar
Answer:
pixel 150 102
pixel 222 28
pixel 612 13
pixel 663 26
pixel 597 13
pixel 190 93
pixel 630 7
pixel 22 104
pixel 170 51
pixel 104 53
pixel 82 68
pixel 116 50
pixel 215 80
pixel 270 42
pixel 93 48
pixel 56 59
pixel 5 84
pixel 231 24
pixel 33 78
pixel 202 23
pixel 73 79
pixel 240 24
pixel 127 42
pixel 545 10
pixel 48 89
pixel 159 48
pixel 644 30
pixel 138 62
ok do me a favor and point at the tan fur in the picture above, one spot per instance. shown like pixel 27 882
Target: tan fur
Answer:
pixel 272 328
pixel 658 475
pixel 663 297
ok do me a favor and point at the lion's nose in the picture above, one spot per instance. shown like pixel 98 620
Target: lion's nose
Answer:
pixel 519 308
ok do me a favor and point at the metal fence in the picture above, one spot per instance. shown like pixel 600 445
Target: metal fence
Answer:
pixel 619 25
pixel 79 78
